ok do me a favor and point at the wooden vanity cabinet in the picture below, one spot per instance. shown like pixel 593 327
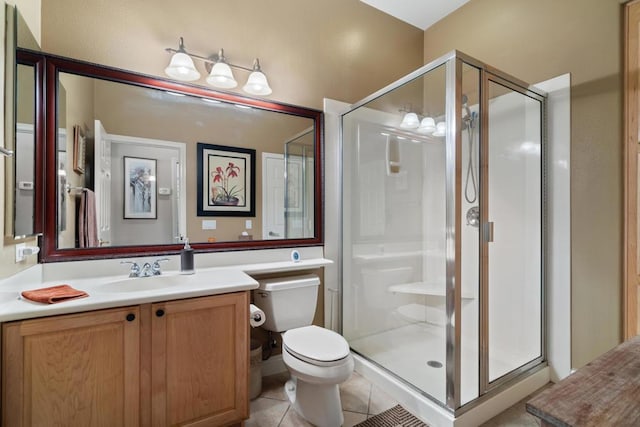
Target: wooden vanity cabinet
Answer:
pixel 72 370
pixel 200 361
pixel 183 362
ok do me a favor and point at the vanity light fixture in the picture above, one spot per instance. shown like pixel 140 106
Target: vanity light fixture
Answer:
pixel 441 129
pixel 410 121
pixel 427 126
pixel 181 66
pixel 220 75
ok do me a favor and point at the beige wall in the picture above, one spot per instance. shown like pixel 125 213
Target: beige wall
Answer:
pixel 31 13
pixel 341 49
pixel 346 50
pixel 151 114
pixel 536 41
pixel 309 50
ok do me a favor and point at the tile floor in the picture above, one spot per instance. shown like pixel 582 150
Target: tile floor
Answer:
pixel 360 400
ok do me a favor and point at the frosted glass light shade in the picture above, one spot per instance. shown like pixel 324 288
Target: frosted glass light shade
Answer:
pixel 221 76
pixel 257 84
pixel 441 129
pixel 410 121
pixel 427 125
pixel 181 68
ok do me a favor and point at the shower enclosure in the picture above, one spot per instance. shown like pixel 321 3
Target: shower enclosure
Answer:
pixel 299 157
pixel 443 230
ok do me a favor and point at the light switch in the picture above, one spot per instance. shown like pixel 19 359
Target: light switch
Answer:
pixel 248 224
pixel 208 224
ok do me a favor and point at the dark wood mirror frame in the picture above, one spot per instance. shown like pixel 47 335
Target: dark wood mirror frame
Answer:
pixel 47 106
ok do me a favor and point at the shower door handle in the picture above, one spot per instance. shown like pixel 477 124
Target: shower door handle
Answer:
pixel 487 230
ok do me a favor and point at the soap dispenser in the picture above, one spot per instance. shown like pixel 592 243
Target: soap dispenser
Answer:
pixel 186 258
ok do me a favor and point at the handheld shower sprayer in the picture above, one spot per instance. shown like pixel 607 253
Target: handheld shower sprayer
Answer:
pixel 468 120
pixel 465 99
pixel 471 185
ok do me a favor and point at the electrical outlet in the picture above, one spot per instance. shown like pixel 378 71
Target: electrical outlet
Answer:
pixel 19 254
pixel 248 224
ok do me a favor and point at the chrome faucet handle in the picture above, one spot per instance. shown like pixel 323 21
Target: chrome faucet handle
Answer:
pixel 146 270
pixel 155 267
pixel 135 268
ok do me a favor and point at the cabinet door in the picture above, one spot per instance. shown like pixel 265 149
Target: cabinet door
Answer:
pixel 200 361
pixel 72 370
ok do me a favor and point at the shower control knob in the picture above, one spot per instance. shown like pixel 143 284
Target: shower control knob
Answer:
pixel 473 217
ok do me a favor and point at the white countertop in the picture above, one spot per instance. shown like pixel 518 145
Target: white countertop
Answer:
pixel 119 291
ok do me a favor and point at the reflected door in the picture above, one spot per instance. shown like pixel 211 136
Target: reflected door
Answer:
pixel 513 232
pixel 103 183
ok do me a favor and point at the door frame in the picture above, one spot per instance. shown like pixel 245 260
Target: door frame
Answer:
pixel 631 150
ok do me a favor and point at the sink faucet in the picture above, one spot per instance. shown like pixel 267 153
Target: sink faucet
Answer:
pixel 135 268
pixel 147 269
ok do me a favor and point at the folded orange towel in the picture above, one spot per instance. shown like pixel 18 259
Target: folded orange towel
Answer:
pixel 54 294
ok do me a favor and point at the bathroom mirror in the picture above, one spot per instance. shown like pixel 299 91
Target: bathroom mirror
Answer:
pixel 153 161
pixel 22 132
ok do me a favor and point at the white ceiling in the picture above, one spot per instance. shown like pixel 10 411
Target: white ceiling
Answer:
pixel 419 13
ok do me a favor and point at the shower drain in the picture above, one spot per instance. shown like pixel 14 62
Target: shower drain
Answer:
pixel 434 364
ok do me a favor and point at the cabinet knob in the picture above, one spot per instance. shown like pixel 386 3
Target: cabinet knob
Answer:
pixel 131 317
pixel 160 312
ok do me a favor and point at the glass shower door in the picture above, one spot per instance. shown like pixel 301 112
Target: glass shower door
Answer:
pixel 394 232
pixel 513 231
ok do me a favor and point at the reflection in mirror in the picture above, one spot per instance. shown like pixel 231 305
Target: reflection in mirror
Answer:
pixel 24 157
pixel 128 172
pixel 299 184
pixel 20 130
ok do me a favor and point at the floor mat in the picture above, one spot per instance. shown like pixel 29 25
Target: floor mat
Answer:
pixel 394 417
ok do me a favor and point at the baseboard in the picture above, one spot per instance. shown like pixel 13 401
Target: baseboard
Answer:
pixel 273 365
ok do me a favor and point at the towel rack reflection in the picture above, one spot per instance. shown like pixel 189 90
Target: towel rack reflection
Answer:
pixel 68 188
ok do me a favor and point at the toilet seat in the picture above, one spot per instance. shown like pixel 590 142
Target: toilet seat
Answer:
pixel 315 345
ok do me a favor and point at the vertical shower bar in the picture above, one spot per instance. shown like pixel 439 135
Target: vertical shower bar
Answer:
pixel 484 244
pixel 453 228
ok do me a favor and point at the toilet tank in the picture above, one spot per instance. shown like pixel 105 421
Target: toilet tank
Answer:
pixel 287 302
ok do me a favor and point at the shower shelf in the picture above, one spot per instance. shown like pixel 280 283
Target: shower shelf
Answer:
pixel 391 256
pixel 424 288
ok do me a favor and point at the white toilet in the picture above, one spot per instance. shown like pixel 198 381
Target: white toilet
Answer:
pixel 317 358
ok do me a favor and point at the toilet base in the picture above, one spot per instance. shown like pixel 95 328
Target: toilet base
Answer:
pixel 317 403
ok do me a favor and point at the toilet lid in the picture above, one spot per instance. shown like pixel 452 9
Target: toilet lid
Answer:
pixel 316 343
